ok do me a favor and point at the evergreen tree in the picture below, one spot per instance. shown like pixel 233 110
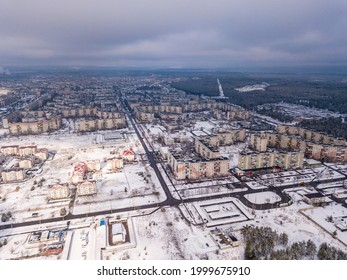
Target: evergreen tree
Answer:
pixel 311 249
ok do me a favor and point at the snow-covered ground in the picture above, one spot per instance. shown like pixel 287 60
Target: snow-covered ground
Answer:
pixel 320 216
pixel 263 197
pixel 136 184
pixel 166 235
pixel 249 88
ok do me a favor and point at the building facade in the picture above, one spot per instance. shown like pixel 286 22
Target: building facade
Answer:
pixel 198 168
pixel 59 191
pixel 12 175
pixel 86 188
pixel 267 159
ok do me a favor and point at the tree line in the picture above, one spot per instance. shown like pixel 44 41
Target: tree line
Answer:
pixel 336 127
pixel 263 243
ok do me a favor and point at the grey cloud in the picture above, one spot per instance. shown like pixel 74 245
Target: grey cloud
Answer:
pixel 163 33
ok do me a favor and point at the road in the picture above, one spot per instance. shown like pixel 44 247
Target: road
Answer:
pixel 150 155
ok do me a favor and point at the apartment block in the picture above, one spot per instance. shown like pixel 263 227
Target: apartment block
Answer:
pixel 10 150
pixel 27 150
pixel 59 191
pixel 37 127
pixel 238 115
pixel 258 142
pixel 310 135
pixel 315 145
pixel 115 164
pixel 93 165
pixel 145 117
pixel 266 159
pixel 86 188
pixel 78 173
pixel 291 142
pixel 226 138
pixel 25 163
pixel 99 124
pixel 197 168
pixel 128 155
pixel 41 154
pixel 12 175
pixel 205 150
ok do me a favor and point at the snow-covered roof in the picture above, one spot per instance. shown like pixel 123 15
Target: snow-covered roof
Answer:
pixel 118 228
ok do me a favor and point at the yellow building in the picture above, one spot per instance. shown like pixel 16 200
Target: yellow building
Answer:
pixel 59 191
pixel 93 165
pixel 195 169
pixel 283 159
pixel 12 175
pixel 27 151
pixel 37 127
pixel 115 164
pixel 205 150
pixel 86 188
pixel 258 142
pixel 25 163
pixel 10 150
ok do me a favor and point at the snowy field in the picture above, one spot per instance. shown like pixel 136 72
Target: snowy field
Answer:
pixel 263 197
pixel 256 87
pixel 320 216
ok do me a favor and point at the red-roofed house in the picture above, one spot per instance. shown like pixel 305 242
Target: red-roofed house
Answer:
pixel 129 155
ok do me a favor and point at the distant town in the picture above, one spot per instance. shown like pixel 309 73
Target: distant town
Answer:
pixel 121 166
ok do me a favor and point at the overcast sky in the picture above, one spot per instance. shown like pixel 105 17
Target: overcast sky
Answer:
pixel 173 33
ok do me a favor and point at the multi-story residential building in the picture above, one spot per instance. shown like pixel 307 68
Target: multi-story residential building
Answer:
pixel 258 142
pixel 197 168
pixel 144 116
pixel 36 127
pixel 10 150
pixel 115 164
pixel 12 175
pixel 93 165
pixel 41 154
pixel 99 124
pixel 205 150
pixel 310 135
pixel 78 173
pixel 24 151
pixel 59 191
pixel 79 112
pixel 266 159
pixel 187 104
pixel 86 188
pixel 318 150
pixel 238 115
pixel 27 151
pixel 226 138
pixel 128 155
pixel 26 163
